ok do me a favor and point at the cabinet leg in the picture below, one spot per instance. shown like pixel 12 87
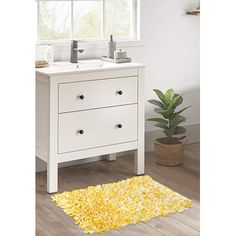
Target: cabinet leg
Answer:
pixel 52 178
pixel 111 157
pixel 139 161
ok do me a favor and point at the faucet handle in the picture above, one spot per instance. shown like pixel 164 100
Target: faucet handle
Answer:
pixel 80 50
pixel 74 42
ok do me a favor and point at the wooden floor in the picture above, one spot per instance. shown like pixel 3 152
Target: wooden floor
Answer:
pixel 51 220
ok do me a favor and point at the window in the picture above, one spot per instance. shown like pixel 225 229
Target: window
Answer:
pixel 87 20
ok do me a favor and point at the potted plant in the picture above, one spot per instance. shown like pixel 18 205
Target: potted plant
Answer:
pixel 169 149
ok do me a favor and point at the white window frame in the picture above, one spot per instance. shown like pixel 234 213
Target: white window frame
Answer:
pixel 129 42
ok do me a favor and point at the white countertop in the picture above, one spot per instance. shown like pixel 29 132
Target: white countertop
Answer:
pixel 63 68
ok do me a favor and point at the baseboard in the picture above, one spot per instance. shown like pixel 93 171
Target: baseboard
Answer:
pixel 193 136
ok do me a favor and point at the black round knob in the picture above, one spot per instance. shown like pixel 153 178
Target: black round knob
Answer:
pixel 80 131
pixel 119 126
pixel 81 97
pixel 120 92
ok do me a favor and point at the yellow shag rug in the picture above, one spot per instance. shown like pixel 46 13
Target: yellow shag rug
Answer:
pixel 98 209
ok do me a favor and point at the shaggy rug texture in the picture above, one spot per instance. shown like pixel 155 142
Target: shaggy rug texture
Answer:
pixel 98 209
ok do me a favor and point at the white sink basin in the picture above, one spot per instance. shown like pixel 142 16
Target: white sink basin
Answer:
pixel 62 68
pixel 85 64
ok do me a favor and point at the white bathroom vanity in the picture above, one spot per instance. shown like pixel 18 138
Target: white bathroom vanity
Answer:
pixel 89 109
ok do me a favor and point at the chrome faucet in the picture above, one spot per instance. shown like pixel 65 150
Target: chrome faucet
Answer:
pixel 74 51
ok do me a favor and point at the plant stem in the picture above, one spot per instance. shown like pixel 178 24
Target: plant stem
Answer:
pixel 169 137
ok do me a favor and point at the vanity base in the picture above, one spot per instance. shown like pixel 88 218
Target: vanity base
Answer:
pixel 52 164
pixel 87 113
pixel 52 170
pixel 111 157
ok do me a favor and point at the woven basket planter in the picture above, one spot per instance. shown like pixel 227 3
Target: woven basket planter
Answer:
pixel 169 154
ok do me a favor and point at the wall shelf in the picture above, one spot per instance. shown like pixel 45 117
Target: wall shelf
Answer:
pixel 194 12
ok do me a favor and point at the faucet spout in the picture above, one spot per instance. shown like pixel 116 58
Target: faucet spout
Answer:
pixel 79 50
pixel 74 51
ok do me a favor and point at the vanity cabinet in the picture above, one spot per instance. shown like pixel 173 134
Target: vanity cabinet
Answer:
pixel 86 113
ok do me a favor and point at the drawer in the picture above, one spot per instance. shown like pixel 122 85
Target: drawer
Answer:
pixel 96 94
pixel 96 128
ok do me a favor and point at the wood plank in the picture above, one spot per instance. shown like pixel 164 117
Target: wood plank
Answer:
pixel 170 226
pixel 140 229
pixel 190 217
pixel 51 220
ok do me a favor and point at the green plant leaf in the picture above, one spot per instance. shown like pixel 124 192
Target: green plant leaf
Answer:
pixel 159 111
pixel 178 100
pixel 178 112
pixel 168 113
pixel 161 126
pixel 169 95
pixel 169 132
pixel 178 119
pixel 157 103
pixel 160 95
pixel 160 120
pixel 179 130
pixel 165 113
pixel 175 95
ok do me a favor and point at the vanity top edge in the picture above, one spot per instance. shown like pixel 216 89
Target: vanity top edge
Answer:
pixel 56 71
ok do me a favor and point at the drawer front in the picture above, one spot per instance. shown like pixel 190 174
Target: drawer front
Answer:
pixel 96 94
pixel 96 128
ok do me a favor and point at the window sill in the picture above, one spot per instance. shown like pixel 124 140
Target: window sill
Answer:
pixel 95 45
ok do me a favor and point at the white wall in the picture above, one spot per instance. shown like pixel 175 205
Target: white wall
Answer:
pixel 171 52
pixel 171 48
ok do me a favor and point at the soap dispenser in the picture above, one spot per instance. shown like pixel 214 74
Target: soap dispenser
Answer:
pixel 49 55
pixel 111 47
